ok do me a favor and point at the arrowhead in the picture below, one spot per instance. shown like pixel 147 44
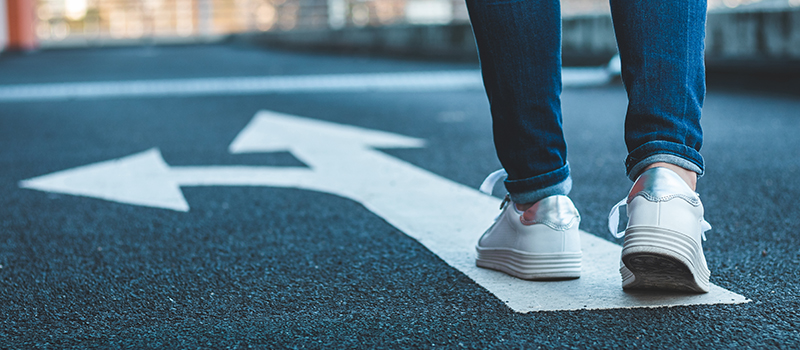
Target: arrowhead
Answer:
pixel 140 179
pixel 271 131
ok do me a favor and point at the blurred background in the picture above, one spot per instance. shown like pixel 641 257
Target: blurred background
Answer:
pixel 59 23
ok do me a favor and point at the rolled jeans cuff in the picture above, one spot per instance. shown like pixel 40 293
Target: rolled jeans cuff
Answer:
pixel 666 152
pixel 534 189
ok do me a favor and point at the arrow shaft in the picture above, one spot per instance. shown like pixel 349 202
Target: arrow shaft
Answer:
pixel 448 218
pixel 420 203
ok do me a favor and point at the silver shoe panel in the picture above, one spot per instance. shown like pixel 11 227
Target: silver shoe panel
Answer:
pixel 661 185
pixel 557 212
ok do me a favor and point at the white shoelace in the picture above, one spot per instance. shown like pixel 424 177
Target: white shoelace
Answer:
pixel 488 184
pixel 613 221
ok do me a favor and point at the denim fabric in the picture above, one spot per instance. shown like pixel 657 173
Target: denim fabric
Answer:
pixel 661 47
pixel 519 190
pixel 519 43
pixel 666 152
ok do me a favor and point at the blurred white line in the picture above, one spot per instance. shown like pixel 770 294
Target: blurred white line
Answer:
pixel 413 81
pixel 584 77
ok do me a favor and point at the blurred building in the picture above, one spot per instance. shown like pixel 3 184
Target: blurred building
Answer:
pixel 101 21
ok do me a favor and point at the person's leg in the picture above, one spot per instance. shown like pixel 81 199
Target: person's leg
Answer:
pixel 519 43
pixel 661 47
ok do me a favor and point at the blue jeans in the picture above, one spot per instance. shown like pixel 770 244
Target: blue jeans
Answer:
pixel 661 47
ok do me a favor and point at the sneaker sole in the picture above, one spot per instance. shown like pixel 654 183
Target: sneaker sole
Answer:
pixel 654 258
pixel 530 266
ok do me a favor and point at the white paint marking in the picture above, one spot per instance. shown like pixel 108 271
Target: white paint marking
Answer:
pixel 145 179
pixel 444 216
pixel 413 81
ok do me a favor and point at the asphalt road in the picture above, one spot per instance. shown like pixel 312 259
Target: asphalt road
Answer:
pixel 269 267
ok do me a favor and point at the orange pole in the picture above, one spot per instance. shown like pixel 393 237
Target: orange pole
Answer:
pixel 21 33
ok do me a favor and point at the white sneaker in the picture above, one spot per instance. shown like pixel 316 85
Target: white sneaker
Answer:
pixel 662 248
pixel 545 248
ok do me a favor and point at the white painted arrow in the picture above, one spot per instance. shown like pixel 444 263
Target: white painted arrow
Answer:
pixel 145 179
pixel 444 216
